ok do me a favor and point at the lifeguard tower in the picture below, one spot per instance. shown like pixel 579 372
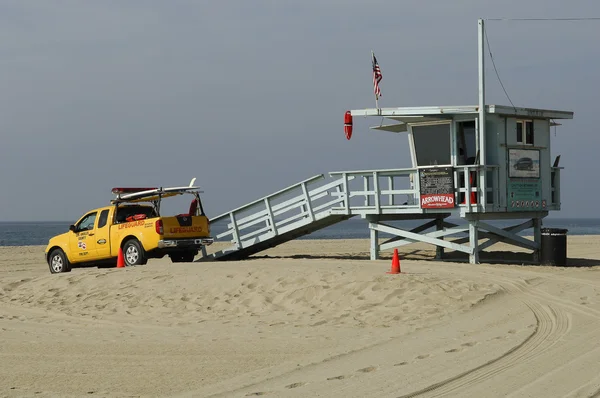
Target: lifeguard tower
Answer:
pixel 480 163
pixel 489 162
pixel 502 171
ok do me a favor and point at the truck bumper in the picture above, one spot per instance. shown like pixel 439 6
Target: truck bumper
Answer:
pixel 184 243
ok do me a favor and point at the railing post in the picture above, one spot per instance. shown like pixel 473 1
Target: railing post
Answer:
pixel 338 190
pixel 236 232
pixel 374 238
pixel 309 208
pixel 439 250
pixel 496 188
pixel 391 187
pixel 416 187
pixel 457 191
pixel 467 177
pixel 474 242
pixel 346 194
pixel 270 214
pixel 481 187
pixel 552 185
pixel 537 238
pixel 366 189
pixel 376 190
pixel 557 187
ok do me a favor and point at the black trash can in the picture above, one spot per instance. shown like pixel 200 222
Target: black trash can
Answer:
pixel 554 247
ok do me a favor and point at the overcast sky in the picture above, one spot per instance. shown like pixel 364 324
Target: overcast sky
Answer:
pixel 249 96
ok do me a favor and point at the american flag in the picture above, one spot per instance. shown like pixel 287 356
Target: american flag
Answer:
pixel 376 77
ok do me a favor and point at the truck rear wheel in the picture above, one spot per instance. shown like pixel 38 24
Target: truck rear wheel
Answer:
pixel 133 253
pixel 58 262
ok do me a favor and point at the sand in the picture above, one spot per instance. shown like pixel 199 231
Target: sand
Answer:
pixel 307 318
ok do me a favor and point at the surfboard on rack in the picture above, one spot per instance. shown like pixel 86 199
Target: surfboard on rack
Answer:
pixel 151 194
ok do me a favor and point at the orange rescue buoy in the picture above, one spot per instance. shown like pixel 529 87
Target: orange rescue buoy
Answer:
pixel 348 124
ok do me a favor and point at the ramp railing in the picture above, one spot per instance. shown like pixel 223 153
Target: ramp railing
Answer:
pixel 297 205
pixel 381 192
pixel 377 191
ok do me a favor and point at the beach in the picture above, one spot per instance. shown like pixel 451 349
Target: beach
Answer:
pixel 306 318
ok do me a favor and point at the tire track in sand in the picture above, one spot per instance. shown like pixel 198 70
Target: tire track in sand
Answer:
pixel 552 323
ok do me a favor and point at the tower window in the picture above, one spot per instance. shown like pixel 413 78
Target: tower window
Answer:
pixel 525 132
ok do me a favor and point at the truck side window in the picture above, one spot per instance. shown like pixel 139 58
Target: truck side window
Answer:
pixel 87 223
pixel 103 218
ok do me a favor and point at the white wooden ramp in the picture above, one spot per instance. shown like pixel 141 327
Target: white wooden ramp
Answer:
pixel 295 211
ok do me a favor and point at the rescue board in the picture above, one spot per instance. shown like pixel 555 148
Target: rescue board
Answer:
pixel 156 193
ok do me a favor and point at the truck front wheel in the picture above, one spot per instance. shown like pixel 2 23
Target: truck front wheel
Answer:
pixel 58 262
pixel 133 253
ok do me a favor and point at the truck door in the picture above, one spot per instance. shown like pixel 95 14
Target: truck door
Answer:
pixel 102 234
pixel 82 242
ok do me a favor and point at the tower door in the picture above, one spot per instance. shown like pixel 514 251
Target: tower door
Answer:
pixel 466 142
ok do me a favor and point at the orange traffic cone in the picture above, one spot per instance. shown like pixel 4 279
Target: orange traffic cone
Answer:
pixel 120 259
pixel 395 264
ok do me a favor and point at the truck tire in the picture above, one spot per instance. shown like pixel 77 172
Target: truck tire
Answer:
pixel 133 253
pixel 58 262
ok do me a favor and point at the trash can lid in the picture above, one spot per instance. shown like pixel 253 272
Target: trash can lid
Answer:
pixel 554 231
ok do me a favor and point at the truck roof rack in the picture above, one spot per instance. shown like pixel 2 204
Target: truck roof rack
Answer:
pixel 151 194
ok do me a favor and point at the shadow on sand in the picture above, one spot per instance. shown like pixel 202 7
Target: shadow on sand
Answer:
pixel 493 257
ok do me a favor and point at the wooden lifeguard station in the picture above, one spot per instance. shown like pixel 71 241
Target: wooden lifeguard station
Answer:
pixel 480 163
pixel 501 172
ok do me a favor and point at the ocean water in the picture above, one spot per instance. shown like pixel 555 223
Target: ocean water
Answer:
pixel 38 233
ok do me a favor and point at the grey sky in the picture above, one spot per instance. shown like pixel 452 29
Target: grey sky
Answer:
pixel 249 96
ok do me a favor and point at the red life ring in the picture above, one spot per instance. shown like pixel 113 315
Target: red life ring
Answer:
pixel 348 124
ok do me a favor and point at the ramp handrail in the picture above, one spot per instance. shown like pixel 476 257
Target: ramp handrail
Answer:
pixel 250 226
pixel 291 187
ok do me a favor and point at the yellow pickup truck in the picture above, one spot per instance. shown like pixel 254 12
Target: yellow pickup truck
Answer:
pixel 132 223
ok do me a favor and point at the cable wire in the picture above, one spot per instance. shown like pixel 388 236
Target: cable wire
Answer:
pixel 495 69
pixel 543 19
pixel 524 19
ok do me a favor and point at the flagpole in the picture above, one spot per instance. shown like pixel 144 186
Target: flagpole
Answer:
pixel 373 64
